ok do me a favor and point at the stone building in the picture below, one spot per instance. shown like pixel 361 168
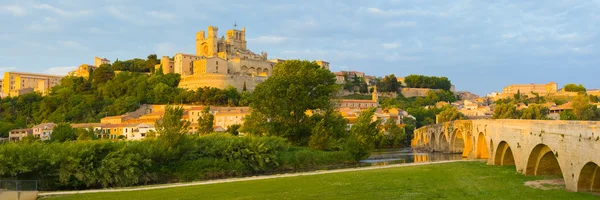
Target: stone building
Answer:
pixel 19 83
pixel 221 62
pixel 542 89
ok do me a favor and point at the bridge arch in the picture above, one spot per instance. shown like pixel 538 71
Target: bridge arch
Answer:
pixel 433 141
pixel 482 147
pixel 504 155
pixel 458 142
pixel 542 161
pixel 589 178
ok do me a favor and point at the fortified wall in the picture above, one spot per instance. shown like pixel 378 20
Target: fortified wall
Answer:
pixel 221 81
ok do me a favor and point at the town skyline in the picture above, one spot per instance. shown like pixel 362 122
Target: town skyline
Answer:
pixel 481 48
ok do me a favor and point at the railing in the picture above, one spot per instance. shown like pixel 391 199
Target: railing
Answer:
pixel 18 189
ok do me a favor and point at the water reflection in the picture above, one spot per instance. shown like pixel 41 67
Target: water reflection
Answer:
pixel 406 155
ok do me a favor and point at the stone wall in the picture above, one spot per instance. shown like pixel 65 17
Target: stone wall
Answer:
pixel 221 81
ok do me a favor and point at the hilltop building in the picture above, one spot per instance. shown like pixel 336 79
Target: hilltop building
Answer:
pixel 542 89
pixel 20 83
pixel 221 62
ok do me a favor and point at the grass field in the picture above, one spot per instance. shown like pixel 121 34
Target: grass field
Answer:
pixel 461 180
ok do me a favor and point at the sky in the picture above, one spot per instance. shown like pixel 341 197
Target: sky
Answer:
pixel 482 46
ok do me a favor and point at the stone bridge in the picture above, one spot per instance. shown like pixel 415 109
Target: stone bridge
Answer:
pixel 570 149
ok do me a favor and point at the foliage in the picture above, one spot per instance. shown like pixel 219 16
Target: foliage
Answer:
pixel 362 135
pixel 450 114
pixel 88 134
pixel 583 110
pixel 279 104
pixel 574 88
pixel 171 128
pixel 330 128
pixel 393 136
pixel 355 84
pixel 535 111
pixel 63 132
pixel 357 96
pixel 205 122
pixel 389 83
pixel 81 100
pixel 102 164
pixel 506 111
pixel 234 129
pixel 432 82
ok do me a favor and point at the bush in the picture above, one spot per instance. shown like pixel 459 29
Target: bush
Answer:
pixel 102 164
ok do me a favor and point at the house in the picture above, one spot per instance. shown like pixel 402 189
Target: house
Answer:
pixel 43 131
pixel 18 134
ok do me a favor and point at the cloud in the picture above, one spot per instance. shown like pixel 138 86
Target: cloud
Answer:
pixel 161 15
pixel 61 12
pixel 121 13
pixel 268 40
pixel 61 71
pixel 392 45
pixel 47 24
pixel 74 45
pixel 15 10
pixel 402 12
pixel 397 57
pixel 99 31
pixel 400 24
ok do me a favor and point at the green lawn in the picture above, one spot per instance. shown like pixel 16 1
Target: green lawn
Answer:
pixel 462 180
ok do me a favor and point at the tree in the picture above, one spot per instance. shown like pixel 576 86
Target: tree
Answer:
pixel 234 129
pixel 450 114
pixel 535 111
pixel 102 74
pixel 205 122
pixel 62 133
pixel 506 111
pixel 362 135
pixel 279 104
pixel 327 131
pixel 171 128
pixel 394 136
pixel 389 84
pixel 151 62
pixel 432 82
pixel 87 134
pixel 29 139
pixel 583 110
pixel 574 88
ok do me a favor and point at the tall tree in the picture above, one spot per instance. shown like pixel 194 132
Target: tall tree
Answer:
pixel 506 111
pixel 102 74
pixel 62 133
pixel 362 135
pixel 279 104
pixel 535 111
pixel 171 127
pixel 206 122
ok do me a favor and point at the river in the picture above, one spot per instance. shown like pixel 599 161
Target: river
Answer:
pixel 406 155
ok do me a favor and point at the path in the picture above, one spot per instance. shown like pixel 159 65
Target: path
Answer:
pixel 173 185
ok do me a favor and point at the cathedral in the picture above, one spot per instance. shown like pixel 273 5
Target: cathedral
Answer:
pixel 219 62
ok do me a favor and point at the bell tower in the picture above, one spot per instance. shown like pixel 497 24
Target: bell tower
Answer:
pixel 207 46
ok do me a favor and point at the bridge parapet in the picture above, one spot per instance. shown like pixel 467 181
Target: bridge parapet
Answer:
pixel 534 147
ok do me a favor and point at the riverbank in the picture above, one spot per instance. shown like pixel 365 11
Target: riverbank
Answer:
pixel 445 180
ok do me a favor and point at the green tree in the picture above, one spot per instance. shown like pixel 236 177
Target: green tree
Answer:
pixel 535 111
pixel 151 62
pixel 327 131
pixel 450 114
pixel 583 110
pixel 87 134
pixel 234 129
pixel 574 88
pixel 362 135
pixel 62 133
pixel 279 104
pixel 102 74
pixel 30 138
pixel 389 84
pixel 506 111
pixel 171 128
pixel 205 122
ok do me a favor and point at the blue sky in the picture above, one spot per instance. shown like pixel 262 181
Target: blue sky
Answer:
pixel 480 45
